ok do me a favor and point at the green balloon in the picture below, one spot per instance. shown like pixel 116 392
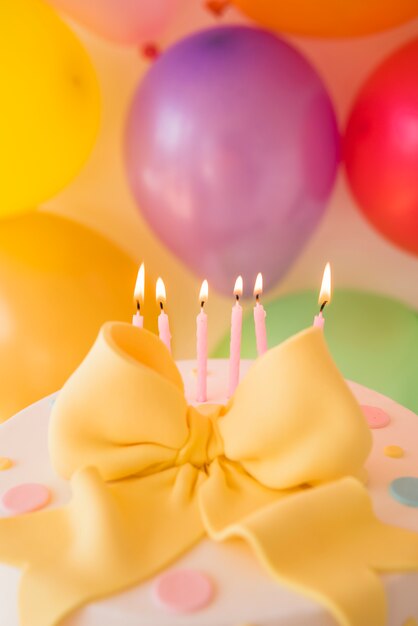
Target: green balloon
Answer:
pixel 373 338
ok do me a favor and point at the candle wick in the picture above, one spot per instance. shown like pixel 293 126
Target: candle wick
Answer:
pixel 257 297
pixel 161 305
pixel 237 297
pixel 138 306
pixel 202 304
pixel 323 305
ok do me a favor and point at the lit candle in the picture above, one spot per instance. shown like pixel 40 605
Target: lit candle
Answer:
pixel 163 322
pixel 235 345
pixel 137 318
pixel 202 344
pixel 324 297
pixel 260 317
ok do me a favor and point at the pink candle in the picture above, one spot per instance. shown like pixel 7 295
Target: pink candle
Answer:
pixel 319 320
pixel 260 318
pixel 164 328
pixel 235 345
pixel 202 345
pixel 163 322
pixel 324 297
pixel 137 318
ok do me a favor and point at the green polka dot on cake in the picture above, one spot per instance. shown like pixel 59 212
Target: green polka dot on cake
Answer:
pixel 405 490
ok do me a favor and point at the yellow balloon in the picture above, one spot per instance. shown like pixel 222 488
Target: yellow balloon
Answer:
pixel 59 281
pixel 329 18
pixel 49 104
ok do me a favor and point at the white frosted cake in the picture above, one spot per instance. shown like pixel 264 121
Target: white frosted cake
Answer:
pixel 231 586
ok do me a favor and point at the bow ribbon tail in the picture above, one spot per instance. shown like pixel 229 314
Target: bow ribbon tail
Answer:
pixel 110 537
pixel 326 543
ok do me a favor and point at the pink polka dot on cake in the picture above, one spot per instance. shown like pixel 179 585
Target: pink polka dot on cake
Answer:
pixel 183 591
pixel 26 498
pixel 375 417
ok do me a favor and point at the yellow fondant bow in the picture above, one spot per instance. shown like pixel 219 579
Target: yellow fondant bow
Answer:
pixel 151 476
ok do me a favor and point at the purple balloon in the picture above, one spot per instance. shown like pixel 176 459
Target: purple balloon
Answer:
pixel 232 150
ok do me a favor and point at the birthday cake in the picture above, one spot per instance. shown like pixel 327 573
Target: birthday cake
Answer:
pixel 287 505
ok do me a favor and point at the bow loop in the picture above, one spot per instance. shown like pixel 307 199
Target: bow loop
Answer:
pixel 293 421
pixel 123 410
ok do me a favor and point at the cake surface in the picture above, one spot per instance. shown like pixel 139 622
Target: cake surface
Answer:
pixel 243 591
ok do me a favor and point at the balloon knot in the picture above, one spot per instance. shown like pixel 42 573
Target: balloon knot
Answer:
pixel 217 7
pixel 150 51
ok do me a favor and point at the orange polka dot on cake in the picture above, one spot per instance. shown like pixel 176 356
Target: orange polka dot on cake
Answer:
pixel 5 463
pixel 410 622
pixel 395 452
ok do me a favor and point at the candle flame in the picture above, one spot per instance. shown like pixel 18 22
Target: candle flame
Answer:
pixel 140 284
pixel 238 286
pixel 325 293
pixel 258 287
pixel 204 291
pixel 160 293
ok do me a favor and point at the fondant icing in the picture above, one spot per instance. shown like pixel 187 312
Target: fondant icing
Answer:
pixel 232 566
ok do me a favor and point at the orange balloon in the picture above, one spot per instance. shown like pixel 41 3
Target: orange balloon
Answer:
pixel 329 18
pixel 59 281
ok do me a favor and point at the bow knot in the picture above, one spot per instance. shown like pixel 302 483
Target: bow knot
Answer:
pixel 204 443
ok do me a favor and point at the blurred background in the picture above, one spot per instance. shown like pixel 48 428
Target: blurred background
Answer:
pixel 58 283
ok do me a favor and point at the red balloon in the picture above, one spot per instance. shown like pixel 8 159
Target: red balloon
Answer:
pixel 381 148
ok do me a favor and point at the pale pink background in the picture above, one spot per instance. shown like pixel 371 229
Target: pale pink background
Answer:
pixel 101 198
